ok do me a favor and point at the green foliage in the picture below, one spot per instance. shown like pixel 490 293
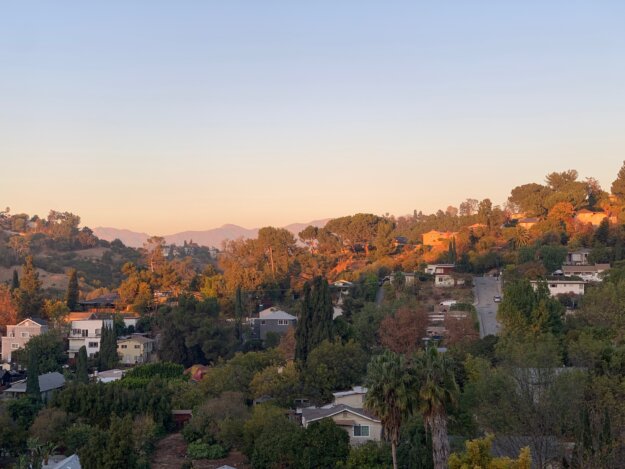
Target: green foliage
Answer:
pixel 141 375
pixel 618 186
pixel 333 366
pixel 325 444
pixel 366 324
pixel 527 309
pixel 281 383
pixel 71 297
pixel 200 450
pixel 108 358
pixel 32 381
pixel 49 426
pixel 48 350
pixel 82 372
pixel 315 322
pixel 478 456
pixel 371 455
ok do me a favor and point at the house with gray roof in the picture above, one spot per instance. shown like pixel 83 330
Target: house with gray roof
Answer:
pixel 48 384
pixel 360 424
pixel 272 320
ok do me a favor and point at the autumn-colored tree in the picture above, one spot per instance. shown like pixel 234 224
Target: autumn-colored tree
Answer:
pixel 8 311
pixel 460 329
pixel 28 296
pixel 478 455
pixel 403 332
pixel 287 344
pixel 153 252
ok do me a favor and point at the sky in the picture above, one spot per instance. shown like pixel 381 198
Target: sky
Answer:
pixel 164 116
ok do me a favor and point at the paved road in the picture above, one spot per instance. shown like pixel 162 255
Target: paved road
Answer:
pixel 485 289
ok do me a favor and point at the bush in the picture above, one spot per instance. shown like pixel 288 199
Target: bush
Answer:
pixel 201 450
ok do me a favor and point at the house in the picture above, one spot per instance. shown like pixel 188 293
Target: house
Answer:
pixel 410 278
pixel 439 268
pixel 101 304
pixel 19 335
pixel 579 257
pixel 594 218
pixel 447 280
pixel 108 376
pixel 48 384
pixel 272 320
pixel 354 398
pixel 135 349
pixel 360 424
pixel 87 333
pixel 558 287
pixel 438 239
pixel 588 273
pixel 62 462
pixel 527 222
pixel 130 318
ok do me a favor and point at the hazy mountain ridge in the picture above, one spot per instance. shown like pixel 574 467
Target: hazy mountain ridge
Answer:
pixel 213 237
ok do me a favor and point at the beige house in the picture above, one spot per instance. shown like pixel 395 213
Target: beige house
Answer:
pixel 355 397
pixel 438 239
pixel 19 335
pixel 594 218
pixel 360 425
pixel 135 349
pixel 558 287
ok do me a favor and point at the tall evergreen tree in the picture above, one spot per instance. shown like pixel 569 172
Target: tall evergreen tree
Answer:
pixel 15 283
pixel 108 357
pixel 315 323
pixel 618 186
pixel 239 311
pixel 71 298
pixel 28 296
pixel 32 381
pixel 82 374
pixel 120 448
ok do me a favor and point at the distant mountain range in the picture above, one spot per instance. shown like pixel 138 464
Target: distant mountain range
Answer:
pixel 214 237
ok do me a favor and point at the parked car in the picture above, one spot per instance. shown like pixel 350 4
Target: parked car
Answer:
pixel 497 299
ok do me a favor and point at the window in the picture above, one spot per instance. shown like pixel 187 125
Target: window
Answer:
pixel 283 322
pixel 98 332
pixel 93 345
pixel 85 332
pixel 137 346
pixel 124 346
pixel 15 346
pixel 361 430
pixel 262 323
pixel 25 335
pixel 75 331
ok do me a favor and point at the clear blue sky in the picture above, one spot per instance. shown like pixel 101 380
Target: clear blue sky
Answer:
pixel 162 116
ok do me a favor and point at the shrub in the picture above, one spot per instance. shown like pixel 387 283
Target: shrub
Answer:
pixel 201 450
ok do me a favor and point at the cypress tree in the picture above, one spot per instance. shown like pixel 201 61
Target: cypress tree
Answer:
pixel 15 283
pixel 32 381
pixel 29 297
pixel 239 311
pixel 82 374
pixel 618 186
pixel 315 323
pixel 72 291
pixel 108 357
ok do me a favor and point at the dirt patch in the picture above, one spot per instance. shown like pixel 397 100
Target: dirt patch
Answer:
pixel 171 453
pixel 93 253
pixel 48 280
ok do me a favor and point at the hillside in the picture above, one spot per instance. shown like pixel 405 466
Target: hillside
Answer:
pixel 212 238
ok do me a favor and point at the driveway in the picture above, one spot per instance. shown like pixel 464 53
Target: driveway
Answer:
pixel 485 289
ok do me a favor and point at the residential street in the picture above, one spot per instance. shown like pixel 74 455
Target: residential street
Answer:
pixel 485 289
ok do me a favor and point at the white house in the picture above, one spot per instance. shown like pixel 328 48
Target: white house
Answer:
pixel 557 287
pixel 87 332
pixel 589 273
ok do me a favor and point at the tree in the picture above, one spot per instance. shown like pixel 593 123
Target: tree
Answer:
pixel 15 281
pixel 32 380
pixel 478 456
pixel 282 383
pixel 325 444
pixel 108 356
pixel 8 311
pixel 55 311
pixel 239 312
pixel 29 297
pixel 47 348
pixel 82 373
pixel 390 394
pixel 315 321
pixel 402 333
pixel 618 186
pixel 71 297
pixel 120 447
pixel 437 391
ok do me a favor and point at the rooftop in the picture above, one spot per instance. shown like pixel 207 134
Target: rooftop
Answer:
pixel 47 382
pixel 310 414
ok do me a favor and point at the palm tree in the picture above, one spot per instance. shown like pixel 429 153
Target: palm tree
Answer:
pixel 390 394
pixel 438 390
